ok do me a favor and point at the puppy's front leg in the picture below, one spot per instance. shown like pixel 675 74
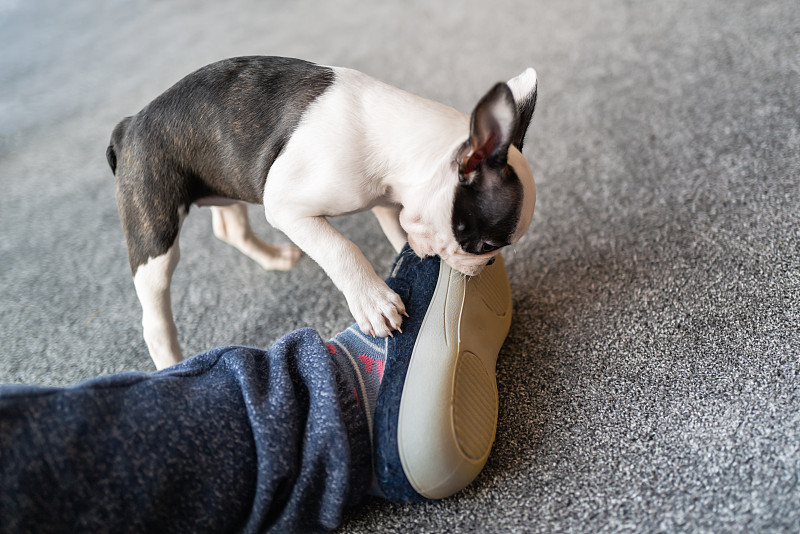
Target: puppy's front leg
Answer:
pixel 389 219
pixel 376 308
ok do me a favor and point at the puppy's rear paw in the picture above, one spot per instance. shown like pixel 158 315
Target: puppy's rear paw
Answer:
pixel 277 258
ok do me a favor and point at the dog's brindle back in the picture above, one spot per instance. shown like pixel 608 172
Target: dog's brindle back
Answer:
pixel 243 111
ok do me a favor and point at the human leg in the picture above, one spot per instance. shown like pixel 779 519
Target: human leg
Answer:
pixel 235 439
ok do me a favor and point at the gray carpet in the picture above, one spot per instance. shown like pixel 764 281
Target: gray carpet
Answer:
pixel 650 379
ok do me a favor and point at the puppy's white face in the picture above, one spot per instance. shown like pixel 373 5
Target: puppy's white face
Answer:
pixel 488 193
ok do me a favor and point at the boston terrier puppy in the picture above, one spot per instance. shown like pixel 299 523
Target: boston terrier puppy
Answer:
pixel 311 142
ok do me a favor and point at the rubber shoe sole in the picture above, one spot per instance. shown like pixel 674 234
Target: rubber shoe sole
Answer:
pixel 442 429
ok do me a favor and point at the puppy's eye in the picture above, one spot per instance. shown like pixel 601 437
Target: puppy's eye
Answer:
pixel 487 247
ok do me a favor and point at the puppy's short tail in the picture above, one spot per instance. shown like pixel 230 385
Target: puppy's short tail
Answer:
pixel 116 138
pixel 111 156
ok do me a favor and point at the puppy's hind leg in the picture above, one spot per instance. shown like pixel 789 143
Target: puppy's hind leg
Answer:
pixel 232 226
pixel 151 232
pixel 152 281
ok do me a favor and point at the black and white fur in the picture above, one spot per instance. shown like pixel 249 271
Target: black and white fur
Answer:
pixel 310 142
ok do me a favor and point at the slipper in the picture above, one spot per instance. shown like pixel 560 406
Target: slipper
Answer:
pixel 436 411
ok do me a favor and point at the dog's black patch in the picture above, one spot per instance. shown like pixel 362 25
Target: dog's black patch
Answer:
pixel 216 132
pixel 486 209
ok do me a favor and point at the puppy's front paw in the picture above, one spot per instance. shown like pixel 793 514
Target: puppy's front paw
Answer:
pixel 377 309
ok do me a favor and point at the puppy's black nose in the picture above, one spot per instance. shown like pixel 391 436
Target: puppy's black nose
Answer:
pixel 491 262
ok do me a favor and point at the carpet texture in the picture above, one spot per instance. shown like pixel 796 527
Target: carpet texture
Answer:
pixel 651 378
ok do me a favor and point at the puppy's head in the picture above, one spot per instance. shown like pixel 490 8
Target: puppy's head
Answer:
pixel 494 192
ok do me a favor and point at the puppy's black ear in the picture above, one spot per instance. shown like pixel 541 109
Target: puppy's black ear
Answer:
pixel 524 89
pixel 492 125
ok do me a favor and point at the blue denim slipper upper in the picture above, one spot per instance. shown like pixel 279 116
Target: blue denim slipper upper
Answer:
pixel 414 279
